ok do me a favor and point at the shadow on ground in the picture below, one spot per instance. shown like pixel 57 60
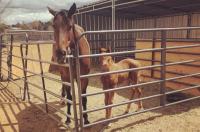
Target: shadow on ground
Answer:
pixel 147 91
pixel 19 116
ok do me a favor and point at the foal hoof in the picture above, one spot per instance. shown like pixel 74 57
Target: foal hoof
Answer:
pixel 68 121
pixel 109 125
pixel 126 112
pixel 86 122
pixel 140 109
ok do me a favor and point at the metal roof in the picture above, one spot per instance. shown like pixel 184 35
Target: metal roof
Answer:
pixel 142 8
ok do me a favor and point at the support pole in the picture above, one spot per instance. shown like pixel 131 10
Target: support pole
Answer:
pixel 153 54
pixel 163 68
pixel 43 82
pixel 113 25
pixel 113 14
pixel 71 62
pixel 189 23
pixel 153 46
pixel 24 64
pixel 9 60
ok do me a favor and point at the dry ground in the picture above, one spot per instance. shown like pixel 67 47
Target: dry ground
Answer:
pixel 16 115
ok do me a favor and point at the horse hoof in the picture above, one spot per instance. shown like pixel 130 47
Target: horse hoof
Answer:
pixel 67 122
pixel 62 101
pixel 86 122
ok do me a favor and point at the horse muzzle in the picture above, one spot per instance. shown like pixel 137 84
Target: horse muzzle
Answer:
pixel 61 56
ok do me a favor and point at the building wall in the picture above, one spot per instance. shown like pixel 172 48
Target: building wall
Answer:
pixel 175 70
pixel 95 22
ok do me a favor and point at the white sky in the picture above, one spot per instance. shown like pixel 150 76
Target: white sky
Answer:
pixel 30 10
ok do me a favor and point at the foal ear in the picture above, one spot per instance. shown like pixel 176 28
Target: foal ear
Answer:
pixel 72 10
pixel 109 49
pixel 100 50
pixel 53 12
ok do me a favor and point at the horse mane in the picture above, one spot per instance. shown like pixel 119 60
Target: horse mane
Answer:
pixel 63 13
pixel 84 47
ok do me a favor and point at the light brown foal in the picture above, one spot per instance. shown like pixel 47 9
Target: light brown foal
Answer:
pixel 112 80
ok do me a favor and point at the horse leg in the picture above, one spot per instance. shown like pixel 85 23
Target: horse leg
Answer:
pixel 66 90
pixel 84 84
pixel 63 94
pixel 69 97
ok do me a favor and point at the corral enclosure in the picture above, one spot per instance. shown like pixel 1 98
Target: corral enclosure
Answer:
pixel 93 20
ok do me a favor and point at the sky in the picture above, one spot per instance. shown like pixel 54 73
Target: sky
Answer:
pixel 14 11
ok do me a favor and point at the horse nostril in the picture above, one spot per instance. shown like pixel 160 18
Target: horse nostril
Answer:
pixel 60 52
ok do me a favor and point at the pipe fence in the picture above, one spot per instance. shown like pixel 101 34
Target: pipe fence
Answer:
pixel 161 81
pixel 159 65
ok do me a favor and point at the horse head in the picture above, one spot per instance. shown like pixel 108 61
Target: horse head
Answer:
pixel 63 24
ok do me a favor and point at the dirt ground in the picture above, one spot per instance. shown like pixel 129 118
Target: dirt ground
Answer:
pixel 16 115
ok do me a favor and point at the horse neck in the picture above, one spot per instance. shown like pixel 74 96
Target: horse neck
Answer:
pixel 84 48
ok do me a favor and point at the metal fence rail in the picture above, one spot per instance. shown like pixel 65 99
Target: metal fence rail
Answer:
pixel 162 80
pixel 78 114
pixel 23 47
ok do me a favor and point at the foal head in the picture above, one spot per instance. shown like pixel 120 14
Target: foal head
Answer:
pixel 105 61
pixel 63 31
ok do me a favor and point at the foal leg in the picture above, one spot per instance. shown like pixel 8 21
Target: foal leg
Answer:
pixel 139 103
pixel 84 84
pixel 110 101
pixel 109 110
pixel 106 103
pixel 131 98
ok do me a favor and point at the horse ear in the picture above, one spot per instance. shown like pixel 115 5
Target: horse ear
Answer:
pixel 51 11
pixel 72 10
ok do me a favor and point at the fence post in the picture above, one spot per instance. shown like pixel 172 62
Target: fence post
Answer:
pixel 163 68
pixel 113 28
pixel 153 53
pixel 42 77
pixel 9 60
pixel 71 62
pixel 78 73
pixel 24 64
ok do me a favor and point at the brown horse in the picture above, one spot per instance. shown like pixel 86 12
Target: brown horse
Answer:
pixel 112 80
pixel 66 34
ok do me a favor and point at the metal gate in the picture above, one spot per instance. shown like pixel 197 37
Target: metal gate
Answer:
pixel 23 48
